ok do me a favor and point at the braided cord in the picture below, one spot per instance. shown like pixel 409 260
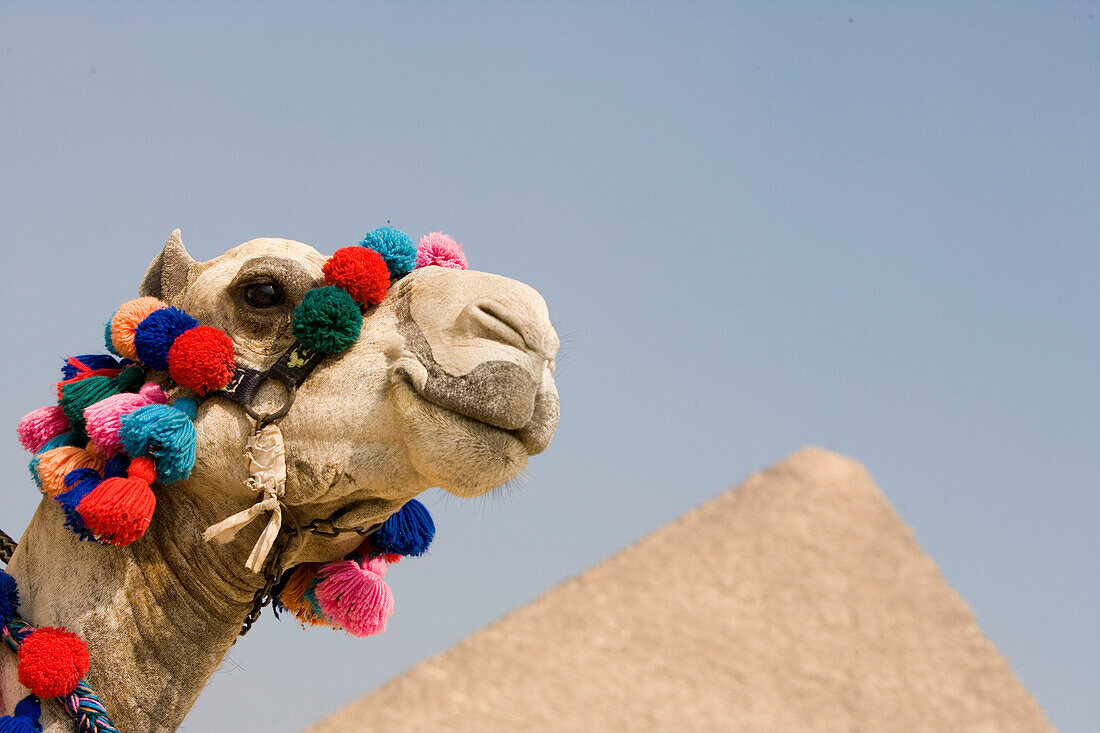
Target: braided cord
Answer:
pixel 82 704
pixel 7 547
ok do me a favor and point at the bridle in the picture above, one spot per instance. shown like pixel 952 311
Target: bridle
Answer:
pixel 290 370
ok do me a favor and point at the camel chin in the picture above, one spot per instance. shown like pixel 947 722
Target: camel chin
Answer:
pixel 461 455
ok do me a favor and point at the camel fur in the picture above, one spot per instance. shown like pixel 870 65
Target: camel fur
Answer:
pixel 450 384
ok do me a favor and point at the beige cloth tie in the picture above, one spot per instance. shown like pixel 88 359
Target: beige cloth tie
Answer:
pixel 267 474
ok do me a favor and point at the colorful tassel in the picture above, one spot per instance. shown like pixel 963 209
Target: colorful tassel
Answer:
pixel 54 465
pixel 9 598
pixel 119 510
pixel 78 483
pixel 156 333
pixel 440 250
pixel 328 320
pixel 355 596
pixel 124 324
pixel 25 719
pixel 52 661
pixel 39 427
pixel 76 396
pixel 396 249
pixel 167 432
pixel 409 531
pixel 202 360
pixel 102 420
pixel 293 595
pixel 86 364
pixel 361 272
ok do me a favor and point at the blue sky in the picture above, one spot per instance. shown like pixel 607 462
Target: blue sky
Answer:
pixel 870 227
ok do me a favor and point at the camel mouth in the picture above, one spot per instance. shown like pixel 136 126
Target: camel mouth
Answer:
pixel 533 433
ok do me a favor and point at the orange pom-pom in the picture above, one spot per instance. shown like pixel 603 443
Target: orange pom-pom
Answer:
pixel 55 464
pixel 202 359
pixel 52 661
pixel 292 597
pixel 126 321
pixel 361 272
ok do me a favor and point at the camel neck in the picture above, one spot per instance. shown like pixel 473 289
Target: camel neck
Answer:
pixel 158 616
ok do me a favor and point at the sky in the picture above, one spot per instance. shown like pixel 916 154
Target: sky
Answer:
pixel 869 227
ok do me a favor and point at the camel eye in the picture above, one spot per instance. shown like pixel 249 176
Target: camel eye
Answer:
pixel 264 295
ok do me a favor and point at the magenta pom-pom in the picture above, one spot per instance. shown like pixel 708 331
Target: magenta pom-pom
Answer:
pixel 440 250
pixel 355 596
pixel 41 426
pixel 102 420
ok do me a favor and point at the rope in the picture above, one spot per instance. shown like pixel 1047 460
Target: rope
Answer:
pixel 7 547
pixel 82 704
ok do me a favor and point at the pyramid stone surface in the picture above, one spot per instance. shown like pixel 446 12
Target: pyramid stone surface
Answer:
pixel 797 602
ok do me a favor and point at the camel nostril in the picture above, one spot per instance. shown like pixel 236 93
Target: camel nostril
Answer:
pixel 490 320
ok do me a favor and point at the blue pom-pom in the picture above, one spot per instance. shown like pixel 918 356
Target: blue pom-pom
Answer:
pixel 408 532
pixel 92 361
pixel 81 482
pixel 9 598
pixel 167 433
pixel 396 249
pixel 154 336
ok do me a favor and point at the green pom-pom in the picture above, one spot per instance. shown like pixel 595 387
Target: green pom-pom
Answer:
pixel 328 320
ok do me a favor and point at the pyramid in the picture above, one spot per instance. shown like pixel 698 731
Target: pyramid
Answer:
pixel 798 601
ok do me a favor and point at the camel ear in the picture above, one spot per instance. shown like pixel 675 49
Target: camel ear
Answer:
pixel 166 277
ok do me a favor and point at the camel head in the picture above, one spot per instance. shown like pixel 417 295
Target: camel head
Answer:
pixel 450 384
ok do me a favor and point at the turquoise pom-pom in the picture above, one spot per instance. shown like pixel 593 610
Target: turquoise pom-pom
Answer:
pixel 167 433
pixel 328 320
pixel 396 248
pixel 408 532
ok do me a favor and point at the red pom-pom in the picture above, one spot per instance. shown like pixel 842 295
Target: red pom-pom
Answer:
pixel 202 359
pixel 119 510
pixel 361 272
pixel 52 661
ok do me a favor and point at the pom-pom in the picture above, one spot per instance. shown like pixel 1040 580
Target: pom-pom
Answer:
pixel 328 320
pixel 78 395
pixel 24 719
pixel 167 432
pixel 355 596
pixel 409 531
pixel 107 337
pixel 396 249
pixel 440 250
pixel 119 510
pixel 125 322
pixel 54 465
pixel 39 427
pixel 362 272
pixel 102 420
pixel 156 333
pixel 52 661
pixel 293 595
pixel 202 359
pixel 9 598
pixel 70 438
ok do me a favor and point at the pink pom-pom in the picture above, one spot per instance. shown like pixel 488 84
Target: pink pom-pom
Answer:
pixel 102 420
pixel 41 426
pixel 441 250
pixel 355 596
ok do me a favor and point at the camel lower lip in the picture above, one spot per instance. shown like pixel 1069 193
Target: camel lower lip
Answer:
pixel 516 435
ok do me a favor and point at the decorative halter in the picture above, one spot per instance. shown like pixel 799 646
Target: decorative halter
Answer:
pixel 114 432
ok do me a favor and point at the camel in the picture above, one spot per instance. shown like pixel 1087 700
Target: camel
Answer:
pixel 449 385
